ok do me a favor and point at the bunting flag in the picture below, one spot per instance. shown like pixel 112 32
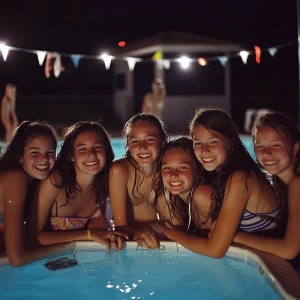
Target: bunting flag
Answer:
pixel 244 55
pixel 54 60
pixel 4 49
pixel 41 56
pixel 131 62
pixel 257 54
pixel 272 51
pixel 107 60
pixel 57 67
pixel 223 60
pixel 157 55
pixel 75 59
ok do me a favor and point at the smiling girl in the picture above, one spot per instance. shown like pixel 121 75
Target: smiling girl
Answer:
pixel 241 196
pixel 28 158
pixel 180 200
pixel 131 177
pixel 276 140
pixel 77 190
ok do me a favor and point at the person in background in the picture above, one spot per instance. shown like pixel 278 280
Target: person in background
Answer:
pixel 73 198
pixel 154 102
pixel 9 118
pixel 241 196
pixel 28 158
pixel 276 140
pixel 130 179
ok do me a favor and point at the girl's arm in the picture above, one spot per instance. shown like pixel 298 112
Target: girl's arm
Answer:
pixel 235 201
pixel 47 194
pixel 118 177
pixel 15 186
pixel 98 221
pixel 289 246
pixel 4 113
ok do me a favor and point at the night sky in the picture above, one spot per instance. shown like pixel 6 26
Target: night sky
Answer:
pixel 91 27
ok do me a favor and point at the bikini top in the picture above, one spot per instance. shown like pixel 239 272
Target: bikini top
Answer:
pixel 251 222
pixel 67 223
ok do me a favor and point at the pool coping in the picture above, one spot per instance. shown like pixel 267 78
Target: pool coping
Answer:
pixel 281 275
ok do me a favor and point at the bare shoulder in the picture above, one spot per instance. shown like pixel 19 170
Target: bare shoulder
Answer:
pixel 14 175
pixel 202 195
pixel 294 181
pixel 120 167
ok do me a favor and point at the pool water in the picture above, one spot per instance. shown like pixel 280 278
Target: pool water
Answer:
pixel 137 274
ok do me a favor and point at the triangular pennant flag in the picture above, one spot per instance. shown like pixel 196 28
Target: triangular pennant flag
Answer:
pixel 157 55
pixel 75 59
pixel 223 60
pixel 57 68
pixel 41 56
pixel 107 60
pixel 166 64
pixel 4 49
pixel 257 54
pixel 244 56
pixel 131 62
pixel 272 51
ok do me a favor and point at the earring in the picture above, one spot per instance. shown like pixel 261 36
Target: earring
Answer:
pixel 21 161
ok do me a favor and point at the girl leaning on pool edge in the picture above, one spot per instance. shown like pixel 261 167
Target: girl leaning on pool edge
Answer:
pixel 276 140
pixel 28 158
pixel 77 189
pixel 240 190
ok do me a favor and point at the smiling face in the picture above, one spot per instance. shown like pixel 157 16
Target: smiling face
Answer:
pixel 89 153
pixel 144 143
pixel 274 152
pixel 210 147
pixel 177 172
pixel 39 157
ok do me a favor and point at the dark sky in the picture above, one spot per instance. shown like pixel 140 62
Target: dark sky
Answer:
pixel 89 27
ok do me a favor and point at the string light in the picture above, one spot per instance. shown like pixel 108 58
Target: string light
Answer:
pixel 162 62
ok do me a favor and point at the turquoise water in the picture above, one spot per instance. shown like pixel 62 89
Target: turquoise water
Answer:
pixel 118 145
pixel 137 274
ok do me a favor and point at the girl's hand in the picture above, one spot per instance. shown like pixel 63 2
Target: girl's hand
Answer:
pixel 112 239
pixel 161 226
pixel 146 238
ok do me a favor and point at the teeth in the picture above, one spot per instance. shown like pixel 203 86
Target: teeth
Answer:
pixel 144 155
pixel 91 163
pixel 208 159
pixel 268 163
pixel 175 183
pixel 42 167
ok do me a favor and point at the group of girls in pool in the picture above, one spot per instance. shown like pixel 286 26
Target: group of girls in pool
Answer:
pixel 204 191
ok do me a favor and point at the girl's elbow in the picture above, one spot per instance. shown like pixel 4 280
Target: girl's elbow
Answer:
pixel 289 253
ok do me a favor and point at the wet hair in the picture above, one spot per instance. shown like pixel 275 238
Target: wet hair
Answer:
pixel 24 134
pixel 288 130
pixel 162 134
pixel 11 86
pixel 176 204
pixel 65 166
pixel 238 158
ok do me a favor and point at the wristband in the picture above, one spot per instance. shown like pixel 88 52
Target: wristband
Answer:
pixel 89 236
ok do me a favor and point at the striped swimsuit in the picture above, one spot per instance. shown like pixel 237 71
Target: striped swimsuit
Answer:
pixel 252 222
